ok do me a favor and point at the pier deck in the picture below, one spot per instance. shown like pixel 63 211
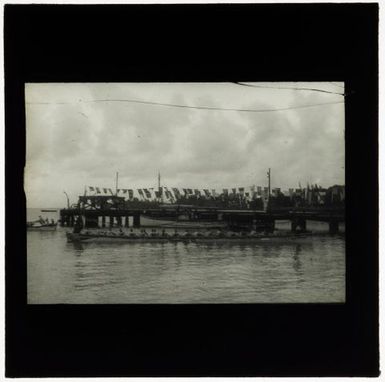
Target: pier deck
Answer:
pixel 234 217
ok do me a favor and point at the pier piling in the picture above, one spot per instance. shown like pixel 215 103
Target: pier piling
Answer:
pixel 136 220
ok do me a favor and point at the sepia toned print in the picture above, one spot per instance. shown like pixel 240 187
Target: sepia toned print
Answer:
pixel 182 193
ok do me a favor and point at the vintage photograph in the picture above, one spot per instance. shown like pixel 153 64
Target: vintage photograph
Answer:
pixel 185 193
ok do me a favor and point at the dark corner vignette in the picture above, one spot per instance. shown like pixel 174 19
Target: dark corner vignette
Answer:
pixel 191 208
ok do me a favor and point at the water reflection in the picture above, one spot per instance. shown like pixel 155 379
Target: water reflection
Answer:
pixel 78 246
pixel 297 265
pixel 306 270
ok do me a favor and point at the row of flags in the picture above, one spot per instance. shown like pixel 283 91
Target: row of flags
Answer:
pixel 174 193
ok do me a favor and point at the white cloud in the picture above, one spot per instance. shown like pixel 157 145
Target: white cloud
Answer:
pixel 72 142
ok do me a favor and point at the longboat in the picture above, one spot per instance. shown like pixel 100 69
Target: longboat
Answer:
pixel 228 236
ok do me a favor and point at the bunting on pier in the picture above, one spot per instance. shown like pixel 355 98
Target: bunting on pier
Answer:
pixel 175 193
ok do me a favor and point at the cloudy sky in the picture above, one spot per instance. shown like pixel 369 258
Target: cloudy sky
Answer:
pixel 82 134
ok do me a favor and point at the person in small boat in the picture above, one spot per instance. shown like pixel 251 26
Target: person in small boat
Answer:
pixel 176 234
pixel 214 233
pixel 121 233
pixel 154 233
pixel 41 220
pixel 221 233
pixel 52 222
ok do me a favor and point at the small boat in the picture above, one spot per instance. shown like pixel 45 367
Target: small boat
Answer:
pixel 37 226
pixel 49 210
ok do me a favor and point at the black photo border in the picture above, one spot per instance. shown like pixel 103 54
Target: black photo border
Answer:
pixel 167 43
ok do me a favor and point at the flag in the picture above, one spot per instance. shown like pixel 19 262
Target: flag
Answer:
pixel 185 191
pixel 91 188
pixel 225 191
pixel 110 191
pixel 213 192
pixel 130 193
pixel 124 191
pixel 197 192
pixel 241 189
pixel 152 192
pixel 157 194
pixel 140 192
pixel 117 190
pixel 234 190
pixel 190 191
pixel 207 192
pixel 174 195
pixel 98 190
pixel 147 193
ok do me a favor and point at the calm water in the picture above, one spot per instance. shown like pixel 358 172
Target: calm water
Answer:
pixel 306 270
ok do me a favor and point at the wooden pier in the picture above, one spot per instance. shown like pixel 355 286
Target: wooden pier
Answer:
pixel 235 219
